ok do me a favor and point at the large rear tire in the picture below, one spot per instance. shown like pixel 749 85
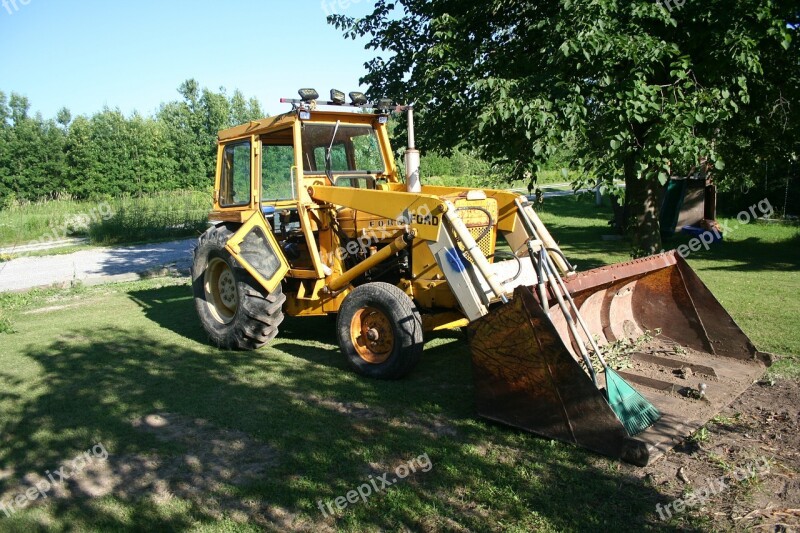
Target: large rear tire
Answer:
pixel 236 312
pixel 380 331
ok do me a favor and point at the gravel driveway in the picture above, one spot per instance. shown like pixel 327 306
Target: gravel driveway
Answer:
pixel 98 265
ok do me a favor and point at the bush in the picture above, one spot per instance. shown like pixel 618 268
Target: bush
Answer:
pixel 153 217
pixel 110 220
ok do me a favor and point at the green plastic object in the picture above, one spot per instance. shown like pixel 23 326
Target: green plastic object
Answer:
pixel 632 409
pixel 671 207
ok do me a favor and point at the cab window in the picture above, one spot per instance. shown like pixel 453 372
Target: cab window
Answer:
pixel 338 158
pixel 235 179
pixel 276 173
pixel 354 149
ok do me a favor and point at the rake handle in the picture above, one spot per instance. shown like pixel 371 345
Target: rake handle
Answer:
pixel 583 324
pixel 548 270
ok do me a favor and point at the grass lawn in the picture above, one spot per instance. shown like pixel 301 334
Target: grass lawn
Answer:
pixel 213 440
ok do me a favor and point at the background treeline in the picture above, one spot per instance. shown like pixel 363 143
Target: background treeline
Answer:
pixel 112 155
pixel 109 154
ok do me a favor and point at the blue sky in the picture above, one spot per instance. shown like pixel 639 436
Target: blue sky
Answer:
pixel 86 54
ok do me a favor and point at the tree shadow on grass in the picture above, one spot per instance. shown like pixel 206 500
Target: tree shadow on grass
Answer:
pixel 590 243
pixel 753 255
pixel 586 241
pixel 326 430
pixel 171 307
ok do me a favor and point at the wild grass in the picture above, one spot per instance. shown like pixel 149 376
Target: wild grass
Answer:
pixel 114 220
pixel 157 216
pixel 546 177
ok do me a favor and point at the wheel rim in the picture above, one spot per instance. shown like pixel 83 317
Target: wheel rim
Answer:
pixel 372 335
pixel 221 292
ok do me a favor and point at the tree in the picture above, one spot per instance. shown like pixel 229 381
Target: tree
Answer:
pixel 81 154
pixel 5 150
pixel 642 88
pixel 19 107
pixel 184 125
pixel 764 159
pixel 31 152
pixel 64 117
pixel 5 112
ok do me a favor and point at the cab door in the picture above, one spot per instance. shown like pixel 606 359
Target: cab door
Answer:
pixel 253 245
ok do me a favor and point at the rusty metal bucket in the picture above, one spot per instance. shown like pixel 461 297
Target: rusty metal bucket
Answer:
pixel 527 372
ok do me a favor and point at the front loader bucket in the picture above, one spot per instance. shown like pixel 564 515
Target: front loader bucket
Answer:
pixel 527 373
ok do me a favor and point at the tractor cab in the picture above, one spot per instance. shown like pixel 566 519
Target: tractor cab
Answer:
pixel 266 168
pixel 274 160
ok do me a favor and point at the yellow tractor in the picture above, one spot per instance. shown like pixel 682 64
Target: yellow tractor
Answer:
pixel 311 218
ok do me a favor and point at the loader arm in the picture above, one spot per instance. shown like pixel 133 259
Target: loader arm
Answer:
pixel 531 367
pixel 423 212
pixel 475 283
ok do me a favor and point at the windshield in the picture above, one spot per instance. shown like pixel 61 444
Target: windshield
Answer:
pixel 354 149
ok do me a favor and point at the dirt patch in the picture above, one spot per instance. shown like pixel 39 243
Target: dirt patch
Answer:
pixel 429 425
pixel 742 468
pixel 51 308
pixel 215 459
pixel 215 455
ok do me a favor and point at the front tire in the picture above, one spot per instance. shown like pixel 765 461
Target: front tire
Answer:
pixel 380 331
pixel 236 312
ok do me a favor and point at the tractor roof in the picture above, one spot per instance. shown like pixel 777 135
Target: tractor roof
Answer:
pixel 285 120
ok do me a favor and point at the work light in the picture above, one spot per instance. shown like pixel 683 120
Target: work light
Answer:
pixel 337 97
pixel 385 104
pixel 358 98
pixel 308 95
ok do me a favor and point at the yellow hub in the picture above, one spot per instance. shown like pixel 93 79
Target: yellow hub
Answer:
pixel 220 289
pixel 372 335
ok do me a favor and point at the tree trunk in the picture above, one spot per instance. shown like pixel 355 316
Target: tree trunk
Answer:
pixel 643 199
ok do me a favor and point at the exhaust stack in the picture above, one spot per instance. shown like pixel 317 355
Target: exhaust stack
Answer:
pixel 412 157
